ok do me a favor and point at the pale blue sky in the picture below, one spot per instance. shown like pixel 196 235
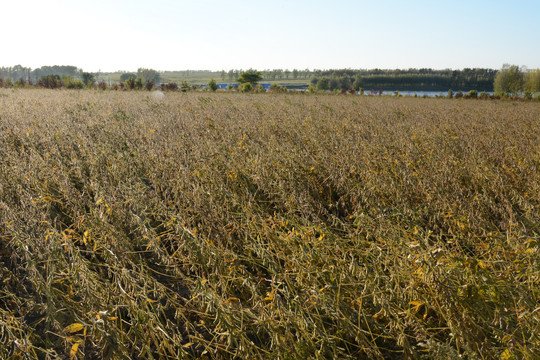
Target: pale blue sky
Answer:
pixel 111 35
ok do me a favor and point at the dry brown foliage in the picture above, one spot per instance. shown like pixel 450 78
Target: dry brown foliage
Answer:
pixel 209 225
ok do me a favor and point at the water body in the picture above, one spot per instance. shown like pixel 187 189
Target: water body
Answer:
pixel 424 93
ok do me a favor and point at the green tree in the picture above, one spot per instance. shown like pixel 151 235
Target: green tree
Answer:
pixel 212 85
pixel 345 82
pixel 250 76
pixel 88 79
pixel 532 81
pixel 125 76
pixel 70 83
pixel 323 84
pixel 357 84
pixel 509 80
pixel 50 81
pixel 148 75
pixel 287 72
pixel 333 83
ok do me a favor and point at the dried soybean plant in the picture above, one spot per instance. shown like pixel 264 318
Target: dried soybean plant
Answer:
pixel 213 225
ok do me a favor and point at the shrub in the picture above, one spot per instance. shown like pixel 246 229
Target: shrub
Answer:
pixel 459 95
pixel 276 88
pixel 50 81
pixel 483 95
pixel 185 86
pixel 246 87
pixel 149 85
pixel 311 89
pixel 212 85
pixel 230 87
pixel 102 85
pixel 172 86
pixel 472 94
pixel 259 89
pixel 139 83
pixel 1 82
pixel 130 83
pixel 528 95
pixel 450 94
pixel 20 83
pixel 70 83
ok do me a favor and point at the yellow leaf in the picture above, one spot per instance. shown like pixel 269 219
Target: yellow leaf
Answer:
pixel 507 355
pixel 112 318
pixel 269 298
pixel 189 344
pixel 415 231
pixel 151 301
pixel 73 328
pixel 74 349
pixel 231 299
pixel 417 305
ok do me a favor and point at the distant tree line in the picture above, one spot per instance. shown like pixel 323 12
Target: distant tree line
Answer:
pixel 18 72
pixel 510 80
pixel 403 80
pixel 232 75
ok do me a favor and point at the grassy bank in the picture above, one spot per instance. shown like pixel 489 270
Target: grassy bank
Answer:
pixel 267 226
